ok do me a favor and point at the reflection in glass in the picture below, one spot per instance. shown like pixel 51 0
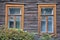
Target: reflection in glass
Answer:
pixel 11 22
pixel 47 11
pixel 43 18
pixel 17 21
pixel 50 18
pixel 14 10
pixel 50 24
pixel 43 24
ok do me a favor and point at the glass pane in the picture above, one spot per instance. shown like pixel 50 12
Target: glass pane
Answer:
pixel 14 10
pixel 11 22
pixel 43 26
pixel 47 11
pixel 50 24
pixel 50 18
pixel 17 21
pixel 43 18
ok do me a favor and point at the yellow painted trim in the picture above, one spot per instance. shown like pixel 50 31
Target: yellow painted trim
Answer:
pixel 39 17
pixel 22 14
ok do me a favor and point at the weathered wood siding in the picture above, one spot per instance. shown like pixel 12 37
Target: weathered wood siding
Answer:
pixel 2 13
pixel 58 18
pixel 31 13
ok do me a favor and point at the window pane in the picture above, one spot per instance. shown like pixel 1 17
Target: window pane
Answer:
pixel 17 21
pixel 50 18
pixel 43 18
pixel 50 24
pixel 11 22
pixel 47 11
pixel 14 10
pixel 43 24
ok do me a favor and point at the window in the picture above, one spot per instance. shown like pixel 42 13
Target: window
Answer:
pixel 47 18
pixel 14 17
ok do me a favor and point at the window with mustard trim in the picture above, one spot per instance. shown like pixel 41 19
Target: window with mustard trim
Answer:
pixel 47 18
pixel 14 16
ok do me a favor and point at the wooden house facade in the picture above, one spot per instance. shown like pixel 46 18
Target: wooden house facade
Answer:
pixel 34 16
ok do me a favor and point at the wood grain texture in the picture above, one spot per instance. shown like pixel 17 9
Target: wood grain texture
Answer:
pixel 31 13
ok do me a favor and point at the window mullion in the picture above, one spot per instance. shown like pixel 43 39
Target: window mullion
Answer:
pixel 20 21
pixel 40 24
pixel 46 24
pixel 8 21
pixel 14 21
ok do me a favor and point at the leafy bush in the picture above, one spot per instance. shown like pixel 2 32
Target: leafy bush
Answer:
pixel 15 34
pixel 48 37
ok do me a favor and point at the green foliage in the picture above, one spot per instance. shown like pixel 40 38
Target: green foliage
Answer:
pixel 15 34
pixel 47 37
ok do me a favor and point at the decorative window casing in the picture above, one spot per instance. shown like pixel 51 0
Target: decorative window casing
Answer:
pixel 47 18
pixel 14 16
